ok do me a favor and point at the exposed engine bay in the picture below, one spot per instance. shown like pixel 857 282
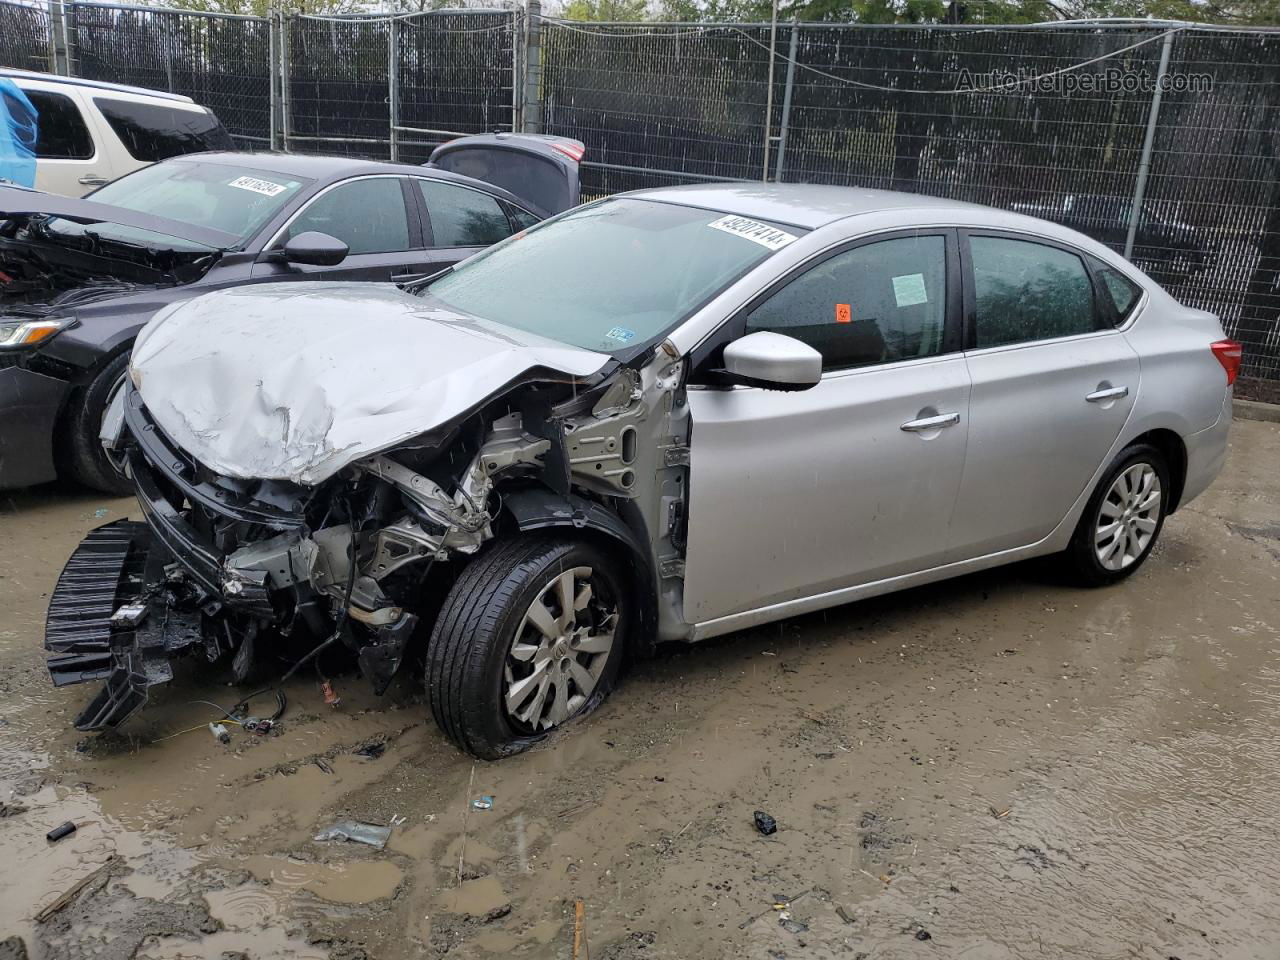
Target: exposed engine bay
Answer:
pixel 44 259
pixel 253 573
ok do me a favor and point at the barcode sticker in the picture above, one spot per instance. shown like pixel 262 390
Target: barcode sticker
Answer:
pixel 264 187
pixel 753 230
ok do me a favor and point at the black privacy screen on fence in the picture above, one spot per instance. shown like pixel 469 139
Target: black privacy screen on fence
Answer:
pixel 1051 120
pixel 220 62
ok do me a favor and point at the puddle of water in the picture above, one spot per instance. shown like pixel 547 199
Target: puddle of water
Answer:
pixel 354 881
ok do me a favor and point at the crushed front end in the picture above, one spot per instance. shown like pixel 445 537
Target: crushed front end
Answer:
pixel 267 571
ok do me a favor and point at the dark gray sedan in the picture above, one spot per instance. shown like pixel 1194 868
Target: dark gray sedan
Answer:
pixel 79 278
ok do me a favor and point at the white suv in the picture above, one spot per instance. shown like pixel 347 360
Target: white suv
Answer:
pixel 90 133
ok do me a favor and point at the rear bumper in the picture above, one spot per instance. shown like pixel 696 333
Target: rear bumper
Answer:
pixel 29 404
pixel 1206 454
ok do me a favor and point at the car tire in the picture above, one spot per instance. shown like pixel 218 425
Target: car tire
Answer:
pixel 1123 518
pixel 501 675
pixel 86 461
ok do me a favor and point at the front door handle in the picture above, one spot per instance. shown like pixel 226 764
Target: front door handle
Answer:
pixel 92 180
pixel 931 423
pixel 1111 393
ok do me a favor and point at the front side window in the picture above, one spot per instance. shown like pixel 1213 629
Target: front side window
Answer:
pixel 1122 292
pixel 62 134
pixel 612 276
pixel 367 215
pixel 876 303
pixel 461 217
pixel 234 199
pixel 1026 291
pixel 153 131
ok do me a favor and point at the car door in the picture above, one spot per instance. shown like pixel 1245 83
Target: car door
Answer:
pixel 374 216
pixel 69 157
pixel 1053 384
pixel 459 220
pixel 794 494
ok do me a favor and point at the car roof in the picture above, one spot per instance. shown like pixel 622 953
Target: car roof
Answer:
pixel 806 205
pixel 14 74
pixel 329 169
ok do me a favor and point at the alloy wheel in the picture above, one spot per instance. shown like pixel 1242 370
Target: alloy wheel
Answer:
pixel 1128 517
pixel 559 651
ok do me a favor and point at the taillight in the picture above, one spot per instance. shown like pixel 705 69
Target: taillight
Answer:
pixel 1228 354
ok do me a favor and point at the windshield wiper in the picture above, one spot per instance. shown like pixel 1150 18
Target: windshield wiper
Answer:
pixel 421 283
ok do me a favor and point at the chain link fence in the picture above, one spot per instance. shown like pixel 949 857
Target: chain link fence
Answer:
pixel 1161 140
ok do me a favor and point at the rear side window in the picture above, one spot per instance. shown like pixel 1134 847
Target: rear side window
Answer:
pixel 1026 291
pixel 876 303
pixel 367 215
pixel 152 131
pixel 461 217
pixel 1120 290
pixel 62 134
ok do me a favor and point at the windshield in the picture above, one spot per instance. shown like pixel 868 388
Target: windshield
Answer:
pixel 612 275
pixel 231 198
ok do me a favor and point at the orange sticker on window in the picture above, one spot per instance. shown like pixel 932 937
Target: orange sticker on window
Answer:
pixel 844 313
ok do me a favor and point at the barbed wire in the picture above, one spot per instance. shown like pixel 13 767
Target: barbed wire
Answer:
pixel 995 88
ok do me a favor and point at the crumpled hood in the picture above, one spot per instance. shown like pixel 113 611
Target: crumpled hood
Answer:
pixel 294 381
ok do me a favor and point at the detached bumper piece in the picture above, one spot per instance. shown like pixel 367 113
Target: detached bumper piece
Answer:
pixel 104 625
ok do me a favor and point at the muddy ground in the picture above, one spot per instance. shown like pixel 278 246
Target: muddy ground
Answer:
pixel 1000 766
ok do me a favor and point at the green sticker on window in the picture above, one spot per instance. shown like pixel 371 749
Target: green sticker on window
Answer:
pixel 909 290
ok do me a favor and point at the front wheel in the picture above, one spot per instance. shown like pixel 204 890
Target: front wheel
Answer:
pixel 86 460
pixel 531 636
pixel 1123 519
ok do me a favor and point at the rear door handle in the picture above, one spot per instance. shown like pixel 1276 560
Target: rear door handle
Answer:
pixel 1111 393
pixel 931 423
pixel 92 180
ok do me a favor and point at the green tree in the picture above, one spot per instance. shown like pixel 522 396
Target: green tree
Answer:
pixel 606 10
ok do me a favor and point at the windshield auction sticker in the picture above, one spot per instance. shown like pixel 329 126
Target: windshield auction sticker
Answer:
pixel 264 187
pixel 753 230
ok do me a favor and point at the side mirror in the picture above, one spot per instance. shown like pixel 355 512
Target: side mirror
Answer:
pixel 316 249
pixel 772 361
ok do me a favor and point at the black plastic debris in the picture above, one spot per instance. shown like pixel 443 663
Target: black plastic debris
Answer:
pixel 371 750
pixel 765 823
pixel 58 832
pixel 923 935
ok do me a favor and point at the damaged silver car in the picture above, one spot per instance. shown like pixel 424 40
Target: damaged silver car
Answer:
pixel 659 417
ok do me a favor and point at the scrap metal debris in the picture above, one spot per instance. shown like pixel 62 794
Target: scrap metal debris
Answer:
pixel 353 830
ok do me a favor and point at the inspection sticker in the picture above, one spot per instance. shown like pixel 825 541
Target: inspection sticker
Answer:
pixel 909 290
pixel 621 334
pixel 753 230
pixel 264 187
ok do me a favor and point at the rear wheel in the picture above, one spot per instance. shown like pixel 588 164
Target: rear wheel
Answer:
pixel 87 462
pixel 530 636
pixel 1123 519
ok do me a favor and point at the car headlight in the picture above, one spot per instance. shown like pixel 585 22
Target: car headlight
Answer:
pixel 18 334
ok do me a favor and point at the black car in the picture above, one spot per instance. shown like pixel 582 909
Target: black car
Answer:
pixel 1164 246
pixel 80 277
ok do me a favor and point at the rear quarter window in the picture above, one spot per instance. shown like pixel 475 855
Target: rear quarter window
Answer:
pixel 153 131
pixel 1122 292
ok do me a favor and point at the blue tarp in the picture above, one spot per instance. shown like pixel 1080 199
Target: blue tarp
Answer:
pixel 17 135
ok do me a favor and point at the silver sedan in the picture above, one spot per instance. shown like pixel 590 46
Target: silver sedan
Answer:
pixel 663 416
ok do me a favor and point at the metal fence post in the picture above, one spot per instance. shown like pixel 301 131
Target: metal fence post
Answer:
pixel 1144 165
pixel 59 38
pixel 518 27
pixel 393 86
pixel 273 85
pixel 786 102
pixel 284 82
pixel 532 67
pixel 768 100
